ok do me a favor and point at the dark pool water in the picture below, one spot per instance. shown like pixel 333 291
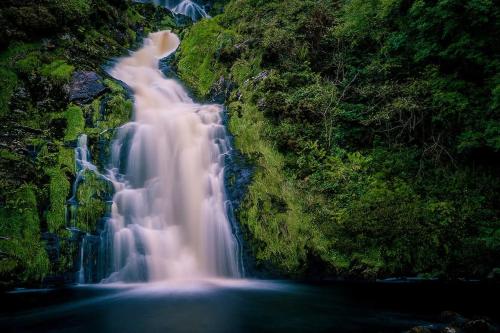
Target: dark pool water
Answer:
pixel 242 306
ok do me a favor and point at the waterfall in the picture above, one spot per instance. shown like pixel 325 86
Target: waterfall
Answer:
pixel 83 164
pixel 169 218
pixel 183 7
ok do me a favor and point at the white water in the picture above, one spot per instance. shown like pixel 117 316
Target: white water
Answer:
pixel 83 163
pixel 183 7
pixel 169 217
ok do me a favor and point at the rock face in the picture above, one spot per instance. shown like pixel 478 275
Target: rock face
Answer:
pixel 220 90
pixel 85 86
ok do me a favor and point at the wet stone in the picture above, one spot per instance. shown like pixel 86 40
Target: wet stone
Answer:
pixel 85 86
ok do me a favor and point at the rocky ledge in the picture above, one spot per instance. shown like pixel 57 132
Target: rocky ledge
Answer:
pixel 452 322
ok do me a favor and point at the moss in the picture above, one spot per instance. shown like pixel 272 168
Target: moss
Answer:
pixel 70 10
pixel 91 196
pixel 167 23
pixel 58 71
pixel 75 122
pixel 133 16
pixel 114 86
pixel 23 254
pixel 30 63
pixel 59 190
pixel 272 210
pixel 244 69
pixel 16 51
pixel 117 112
pixel 8 81
pixel 197 65
pixel 8 155
pixel 66 159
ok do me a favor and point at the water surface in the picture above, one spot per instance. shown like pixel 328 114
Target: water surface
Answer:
pixel 240 306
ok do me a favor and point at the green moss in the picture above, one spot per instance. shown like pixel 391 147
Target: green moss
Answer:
pixel 8 155
pixel 59 71
pixel 167 23
pixel 197 64
pixel 91 195
pixel 114 86
pixel 15 52
pixel 70 10
pixel 244 69
pixel 117 112
pixel 66 159
pixel 75 122
pixel 8 81
pixel 59 190
pixel 23 254
pixel 30 63
pixel 272 210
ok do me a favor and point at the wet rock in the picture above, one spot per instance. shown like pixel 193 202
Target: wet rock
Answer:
pixel 453 322
pixel 85 86
pixel 220 90
pixel 450 317
pixel 494 274
pixel 479 326
pixel 51 245
pixel 419 329
pixel 261 76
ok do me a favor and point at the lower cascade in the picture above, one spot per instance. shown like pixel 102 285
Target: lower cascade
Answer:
pixel 169 216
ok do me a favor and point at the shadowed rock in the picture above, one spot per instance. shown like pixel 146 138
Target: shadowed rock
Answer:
pixel 85 86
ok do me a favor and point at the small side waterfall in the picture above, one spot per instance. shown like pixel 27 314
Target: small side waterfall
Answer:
pixel 92 247
pixel 169 216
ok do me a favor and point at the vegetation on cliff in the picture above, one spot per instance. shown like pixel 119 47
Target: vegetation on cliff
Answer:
pixel 42 44
pixel 373 127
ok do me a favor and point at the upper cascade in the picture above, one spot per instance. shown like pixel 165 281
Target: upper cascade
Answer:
pixel 184 7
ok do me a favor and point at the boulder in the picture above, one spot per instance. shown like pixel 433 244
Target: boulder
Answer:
pixel 85 86
pixel 451 317
pixel 481 325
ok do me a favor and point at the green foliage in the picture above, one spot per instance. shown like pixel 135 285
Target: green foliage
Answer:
pixel 22 255
pixel 59 189
pixel 75 122
pixel 69 10
pixel 39 127
pixel 30 63
pixel 8 81
pixel 197 64
pixel 58 71
pixel 373 127
pixel 91 196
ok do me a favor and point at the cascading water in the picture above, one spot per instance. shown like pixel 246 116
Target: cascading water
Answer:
pixel 183 7
pixel 169 219
pixel 90 263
